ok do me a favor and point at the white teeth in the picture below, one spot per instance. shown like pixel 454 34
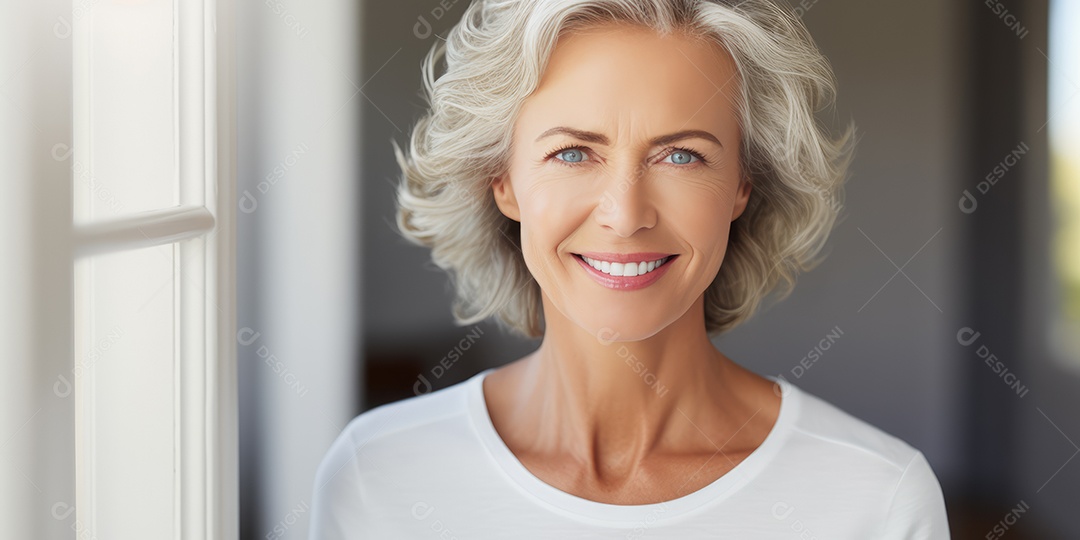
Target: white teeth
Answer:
pixel 624 270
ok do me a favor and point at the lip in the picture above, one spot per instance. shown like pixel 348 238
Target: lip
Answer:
pixel 623 283
pixel 626 257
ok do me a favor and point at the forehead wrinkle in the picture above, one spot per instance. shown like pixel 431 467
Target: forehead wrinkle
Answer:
pixel 619 116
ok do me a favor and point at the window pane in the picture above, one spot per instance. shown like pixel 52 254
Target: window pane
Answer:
pixel 131 165
pixel 125 306
pixel 1064 134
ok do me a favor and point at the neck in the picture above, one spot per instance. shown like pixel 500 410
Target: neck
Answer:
pixel 610 404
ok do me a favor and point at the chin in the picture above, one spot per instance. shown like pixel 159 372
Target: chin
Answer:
pixel 623 328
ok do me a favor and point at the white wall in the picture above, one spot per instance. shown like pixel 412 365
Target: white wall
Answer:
pixel 37 457
pixel 298 242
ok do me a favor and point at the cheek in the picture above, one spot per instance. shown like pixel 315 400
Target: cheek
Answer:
pixel 701 212
pixel 552 211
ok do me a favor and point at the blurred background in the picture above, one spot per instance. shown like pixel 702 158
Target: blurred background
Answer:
pixel 947 313
pixel 960 242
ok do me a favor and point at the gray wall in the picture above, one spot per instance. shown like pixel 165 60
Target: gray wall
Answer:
pixel 893 366
pixel 407 298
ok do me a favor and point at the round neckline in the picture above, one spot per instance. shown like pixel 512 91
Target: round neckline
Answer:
pixel 636 515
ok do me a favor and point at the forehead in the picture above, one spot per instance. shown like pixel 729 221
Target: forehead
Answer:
pixel 618 73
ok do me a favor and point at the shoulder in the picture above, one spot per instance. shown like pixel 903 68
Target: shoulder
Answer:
pixel 381 448
pixel 868 457
pixel 402 421
pixel 819 422
pixel 391 431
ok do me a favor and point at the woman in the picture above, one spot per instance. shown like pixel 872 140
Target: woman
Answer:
pixel 626 179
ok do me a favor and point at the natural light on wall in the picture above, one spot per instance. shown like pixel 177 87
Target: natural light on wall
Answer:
pixel 1064 134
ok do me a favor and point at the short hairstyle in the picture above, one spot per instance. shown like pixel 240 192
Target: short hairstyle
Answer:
pixel 494 59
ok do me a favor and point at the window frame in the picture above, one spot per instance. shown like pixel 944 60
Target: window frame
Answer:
pixel 202 232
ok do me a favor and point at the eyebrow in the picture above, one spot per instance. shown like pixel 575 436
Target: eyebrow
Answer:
pixel 597 138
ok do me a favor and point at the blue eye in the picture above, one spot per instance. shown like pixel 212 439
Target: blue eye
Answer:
pixel 683 157
pixel 575 155
pixel 571 155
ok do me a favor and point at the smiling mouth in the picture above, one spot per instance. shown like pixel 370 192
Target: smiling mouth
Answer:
pixel 628 269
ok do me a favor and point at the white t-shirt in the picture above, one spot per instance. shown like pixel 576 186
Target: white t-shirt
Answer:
pixel 433 466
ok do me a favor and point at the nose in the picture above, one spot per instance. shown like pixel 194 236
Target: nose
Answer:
pixel 625 205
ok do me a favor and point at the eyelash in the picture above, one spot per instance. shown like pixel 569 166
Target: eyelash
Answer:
pixel 670 150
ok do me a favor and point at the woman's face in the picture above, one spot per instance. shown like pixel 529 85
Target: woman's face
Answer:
pixel 629 145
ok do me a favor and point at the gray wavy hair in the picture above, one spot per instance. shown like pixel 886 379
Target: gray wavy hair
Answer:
pixel 494 59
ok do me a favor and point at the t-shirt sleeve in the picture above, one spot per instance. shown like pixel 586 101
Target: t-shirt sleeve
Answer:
pixel 336 500
pixel 917 510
